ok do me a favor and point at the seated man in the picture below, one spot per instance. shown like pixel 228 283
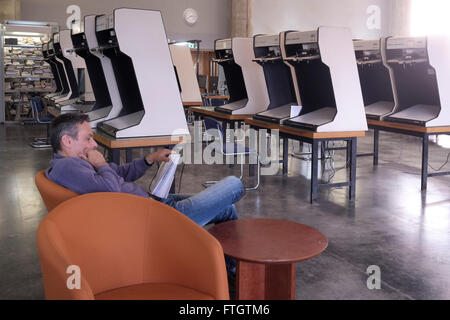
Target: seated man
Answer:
pixel 78 166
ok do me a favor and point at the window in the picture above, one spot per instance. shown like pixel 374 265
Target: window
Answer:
pixel 430 17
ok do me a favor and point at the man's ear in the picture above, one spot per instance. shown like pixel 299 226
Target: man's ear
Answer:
pixel 66 141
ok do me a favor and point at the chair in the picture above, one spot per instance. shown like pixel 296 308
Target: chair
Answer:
pixel 37 106
pixel 52 194
pixel 232 149
pixel 213 84
pixel 202 80
pixel 128 247
pixel 208 92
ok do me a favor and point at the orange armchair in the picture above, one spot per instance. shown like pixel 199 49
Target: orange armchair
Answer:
pixel 128 247
pixel 52 194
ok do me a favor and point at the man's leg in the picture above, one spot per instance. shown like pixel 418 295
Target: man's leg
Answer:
pixel 212 205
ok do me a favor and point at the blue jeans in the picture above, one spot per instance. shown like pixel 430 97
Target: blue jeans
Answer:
pixel 215 204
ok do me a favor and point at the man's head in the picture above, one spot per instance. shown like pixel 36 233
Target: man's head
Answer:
pixel 71 135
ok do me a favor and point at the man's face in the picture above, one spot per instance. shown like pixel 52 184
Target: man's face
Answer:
pixel 84 142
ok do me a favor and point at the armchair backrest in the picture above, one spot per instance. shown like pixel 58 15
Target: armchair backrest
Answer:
pixel 53 194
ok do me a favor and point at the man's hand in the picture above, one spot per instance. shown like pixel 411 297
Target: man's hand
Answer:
pixel 160 155
pixel 95 158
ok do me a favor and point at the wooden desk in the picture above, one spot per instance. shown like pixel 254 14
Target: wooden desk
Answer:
pixel 128 144
pixel 228 118
pixel 266 252
pixel 314 138
pixel 411 130
pixel 192 103
pixel 217 97
pixel 53 111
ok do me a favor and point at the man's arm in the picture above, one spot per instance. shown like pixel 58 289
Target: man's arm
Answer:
pixel 131 171
pixel 137 168
pixel 81 177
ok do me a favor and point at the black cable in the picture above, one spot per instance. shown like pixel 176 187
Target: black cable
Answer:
pixel 448 157
pixel 334 170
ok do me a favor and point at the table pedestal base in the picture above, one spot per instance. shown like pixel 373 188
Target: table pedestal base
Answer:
pixel 255 281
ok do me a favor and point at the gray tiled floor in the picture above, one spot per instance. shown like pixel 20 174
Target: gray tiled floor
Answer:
pixel 391 224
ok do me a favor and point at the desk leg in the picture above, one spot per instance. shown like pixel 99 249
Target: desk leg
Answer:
pixel 232 125
pixel 323 152
pixel 251 168
pixel 352 178
pixel 314 170
pixel 376 136
pixel 347 157
pixel 285 154
pixel 114 156
pixel 425 161
pixel 255 281
pixel 128 155
pixel 230 138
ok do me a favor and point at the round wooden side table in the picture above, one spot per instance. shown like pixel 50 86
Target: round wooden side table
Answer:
pixel 266 251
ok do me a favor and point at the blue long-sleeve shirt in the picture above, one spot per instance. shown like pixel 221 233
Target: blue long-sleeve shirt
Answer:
pixel 81 177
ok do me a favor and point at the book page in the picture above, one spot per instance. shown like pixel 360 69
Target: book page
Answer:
pixel 164 177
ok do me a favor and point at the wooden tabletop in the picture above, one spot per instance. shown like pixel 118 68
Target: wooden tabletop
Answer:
pixel 408 127
pixel 304 133
pixel 192 103
pixel 218 97
pixel 209 111
pixel 113 143
pixel 53 111
pixel 269 241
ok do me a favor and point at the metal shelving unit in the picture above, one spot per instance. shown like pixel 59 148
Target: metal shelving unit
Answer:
pixel 23 71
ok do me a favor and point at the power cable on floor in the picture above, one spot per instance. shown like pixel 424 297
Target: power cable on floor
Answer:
pixel 448 157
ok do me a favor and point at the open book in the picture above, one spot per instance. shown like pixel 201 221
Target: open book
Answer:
pixel 162 182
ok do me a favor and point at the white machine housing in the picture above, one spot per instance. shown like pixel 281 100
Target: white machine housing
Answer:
pixel 253 73
pixel 182 60
pixel 376 78
pixel 66 96
pixel 224 52
pixel 293 74
pixel 282 90
pixel 431 53
pixel 141 36
pixel 47 58
pixel 337 53
pixel 77 63
pixel 108 112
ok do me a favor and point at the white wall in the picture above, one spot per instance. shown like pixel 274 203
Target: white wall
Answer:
pixel 270 16
pixel 213 22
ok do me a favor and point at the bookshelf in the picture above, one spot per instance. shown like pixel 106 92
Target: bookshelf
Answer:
pixel 23 71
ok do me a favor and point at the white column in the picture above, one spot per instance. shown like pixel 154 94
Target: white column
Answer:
pixel 9 10
pixel 241 25
pixel 401 18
